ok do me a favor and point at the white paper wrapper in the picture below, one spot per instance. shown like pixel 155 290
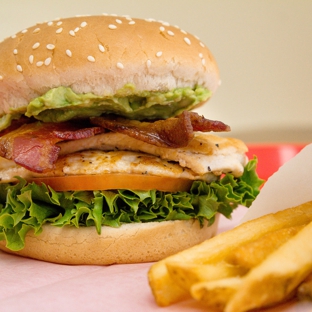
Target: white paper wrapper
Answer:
pixel 290 186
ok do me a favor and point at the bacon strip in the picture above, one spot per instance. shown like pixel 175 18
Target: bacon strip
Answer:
pixel 200 123
pixel 33 145
pixel 173 132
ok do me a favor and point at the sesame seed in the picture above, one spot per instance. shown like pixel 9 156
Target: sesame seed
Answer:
pixel 24 31
pixel 36 30
pixel 91 58
pixel 69 53
pixel 19 68
pixel 13 37
pixel 128 18
pixel 111 26
pixel 36 45
pixel 201 44
pixel 187 40
pixel 200 55
pixel 31 59
pixel 131 22
pixel 47 61
pixel 101 48
pixel 58 31
pixel 76 29
pixel 119 65
pixel 15 51
pixel 148 63
pixel 59 23
pixel 159 54
pixel 40 63
pixel 50 46
pixel 170 33
pixel 118 21
pixel 50 23
pixel 1 77
pixel 203 61
pixel 166 24
pixel 183 32
pixel 162 28
pixel 72 33
pixel 83 24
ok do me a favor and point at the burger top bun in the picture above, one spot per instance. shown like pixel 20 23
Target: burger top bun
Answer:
pixel 100 54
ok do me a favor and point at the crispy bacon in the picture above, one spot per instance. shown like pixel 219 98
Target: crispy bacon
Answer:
pixel 33 145
pixel 173 132
pixel 200 123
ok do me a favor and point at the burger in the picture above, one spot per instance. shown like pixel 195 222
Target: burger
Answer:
pixel 102 158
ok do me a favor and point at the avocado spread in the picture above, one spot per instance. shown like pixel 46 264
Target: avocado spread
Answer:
pixel 62 104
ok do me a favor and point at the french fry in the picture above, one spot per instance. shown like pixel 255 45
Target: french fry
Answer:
pixel 216 294
pixel 304 291
pixel 277 276
pixel 251 254
pixel 187 274
pixel 165 289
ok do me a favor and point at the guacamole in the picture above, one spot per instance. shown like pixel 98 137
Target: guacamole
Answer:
pixel 62 104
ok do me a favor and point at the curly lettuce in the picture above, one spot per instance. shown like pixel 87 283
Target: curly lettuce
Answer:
pixel 28 206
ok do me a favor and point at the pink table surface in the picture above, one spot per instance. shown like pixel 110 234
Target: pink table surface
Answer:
pixel 30 285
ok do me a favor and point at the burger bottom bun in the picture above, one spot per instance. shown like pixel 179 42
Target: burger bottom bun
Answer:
pixel 131 243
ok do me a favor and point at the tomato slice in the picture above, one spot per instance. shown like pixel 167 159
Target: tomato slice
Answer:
pixel 112 181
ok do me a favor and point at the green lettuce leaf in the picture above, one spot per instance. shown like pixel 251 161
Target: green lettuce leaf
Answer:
pixel 28 206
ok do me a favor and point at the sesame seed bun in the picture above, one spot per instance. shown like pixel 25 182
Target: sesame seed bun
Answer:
pixel 100 54
pixel 131 243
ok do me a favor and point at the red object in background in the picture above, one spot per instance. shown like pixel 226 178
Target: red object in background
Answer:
pixel 271 157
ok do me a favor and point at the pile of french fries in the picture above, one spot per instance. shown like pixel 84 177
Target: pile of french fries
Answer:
pixel 260 263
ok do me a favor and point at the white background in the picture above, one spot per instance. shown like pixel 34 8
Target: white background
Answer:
pixel 263 48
